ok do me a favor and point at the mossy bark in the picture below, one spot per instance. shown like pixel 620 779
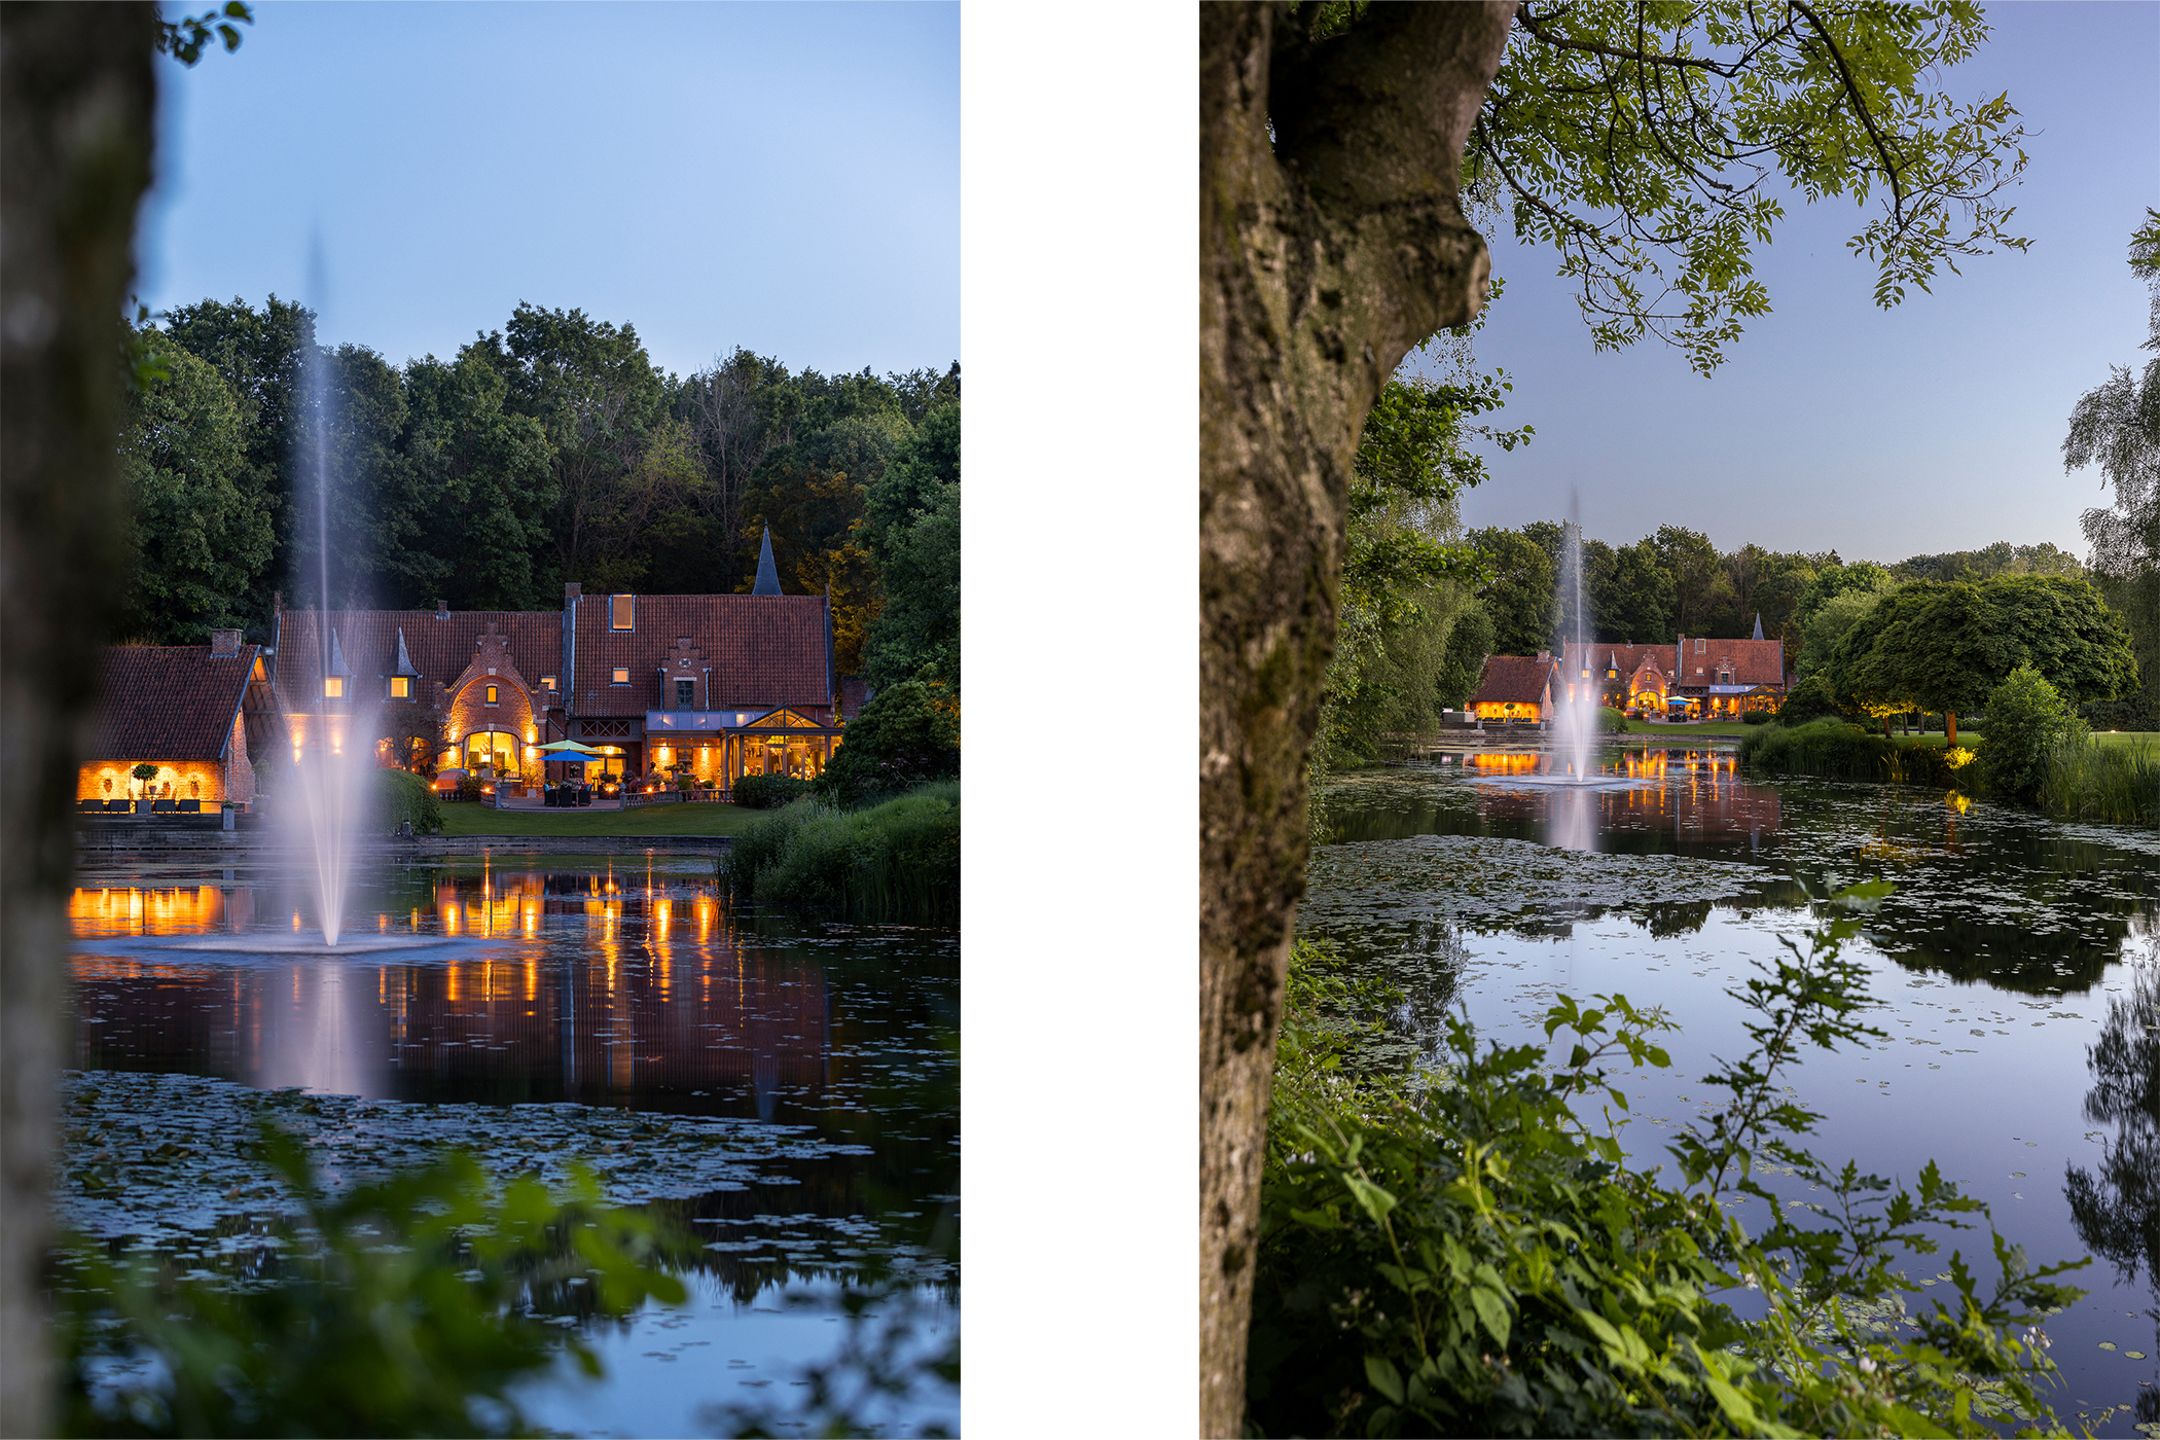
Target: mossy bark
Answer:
pixel 1327 252
pixel 76 108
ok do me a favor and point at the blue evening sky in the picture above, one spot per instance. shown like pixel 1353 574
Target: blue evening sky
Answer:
pixel 1934 426
pixel 780 177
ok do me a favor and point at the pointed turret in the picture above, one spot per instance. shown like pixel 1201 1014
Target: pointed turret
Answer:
pixel 1758 626
pixel 768 574
pixel 404 658
pixel 337 655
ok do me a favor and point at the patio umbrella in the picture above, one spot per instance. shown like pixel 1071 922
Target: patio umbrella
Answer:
pixel 566 748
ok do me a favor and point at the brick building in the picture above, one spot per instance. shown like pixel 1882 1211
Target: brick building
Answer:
pixel 202 715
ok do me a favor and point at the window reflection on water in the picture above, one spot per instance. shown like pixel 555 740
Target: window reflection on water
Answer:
pixel 604 984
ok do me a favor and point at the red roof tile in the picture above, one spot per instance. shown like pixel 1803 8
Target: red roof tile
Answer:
pixel 440 648
pixel 167 702
pixel 1518 679
pixel 763 650
pixel 1752 662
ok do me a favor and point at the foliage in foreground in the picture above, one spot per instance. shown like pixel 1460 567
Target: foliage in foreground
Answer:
pixel 2027 721
pixel 406 1307
pixel 769 792
pixel 1476 1253
pixel 896 861
pixel 1837 750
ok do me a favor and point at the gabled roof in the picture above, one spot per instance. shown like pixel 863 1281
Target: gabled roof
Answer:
pixel 167 702
pixel 1752 662
pixel 1521 679
pixel 376 644
pixel 1626 659
pixel 762 650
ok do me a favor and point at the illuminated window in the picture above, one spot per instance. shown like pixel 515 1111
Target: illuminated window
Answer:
pixel 491 694
pixel 333 687
pixel 401 687
pixel 622 674
pixel 622 610
pixel 547 682
pixel 685 694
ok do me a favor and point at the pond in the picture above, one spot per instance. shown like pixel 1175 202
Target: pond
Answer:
pixel 786 1089
pixel 2017 964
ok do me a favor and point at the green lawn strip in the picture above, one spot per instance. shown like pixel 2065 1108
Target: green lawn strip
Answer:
pixel 698 818
pixel 1682 729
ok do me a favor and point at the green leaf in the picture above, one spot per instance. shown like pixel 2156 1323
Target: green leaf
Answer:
pixel 1492 1312
pixel 1384 1377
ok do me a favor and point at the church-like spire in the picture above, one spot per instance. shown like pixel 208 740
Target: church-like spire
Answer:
pixel 768 574
pixel 1758 626
pixel 337 655
pixel 404 658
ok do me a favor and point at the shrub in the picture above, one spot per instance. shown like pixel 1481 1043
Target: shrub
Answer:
pixel 1756 717
pixel 468 786
pixel 1611 721
pixel 769 792
pixel 402 796
pixel 1837 750
pixel 908 735
pixel 1479 1255
pixel 2027 719
pixel 896 861
pixel 411 1306
pixel 1811 699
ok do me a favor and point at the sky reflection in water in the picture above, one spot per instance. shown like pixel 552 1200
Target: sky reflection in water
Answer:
pixel 2011 947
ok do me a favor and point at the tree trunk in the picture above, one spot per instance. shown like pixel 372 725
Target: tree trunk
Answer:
pixel 76 104
pixel 1325 256
pixel 1949 728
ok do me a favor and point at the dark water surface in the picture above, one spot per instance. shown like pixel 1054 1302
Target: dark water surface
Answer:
pixel 787 1088
pixel 2017 962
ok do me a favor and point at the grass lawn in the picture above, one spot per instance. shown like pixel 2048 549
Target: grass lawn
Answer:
pixel 2128 737
pixel 699 818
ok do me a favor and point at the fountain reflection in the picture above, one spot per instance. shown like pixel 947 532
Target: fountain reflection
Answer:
pixel 563 987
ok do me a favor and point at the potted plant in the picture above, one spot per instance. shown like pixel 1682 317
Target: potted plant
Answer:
pixel 144 774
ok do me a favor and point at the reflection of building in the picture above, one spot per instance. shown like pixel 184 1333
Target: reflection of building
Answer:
pixel 712 686
pixel 197 714
pixel 1690 679
pixel 1515 687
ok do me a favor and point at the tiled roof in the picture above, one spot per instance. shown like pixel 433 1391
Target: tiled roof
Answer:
pixel 763 650
pixel 167 702
pixel 440 648
pixel 1517 678
pixel 1753 662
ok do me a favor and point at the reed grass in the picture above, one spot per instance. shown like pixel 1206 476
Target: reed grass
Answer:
pixel 1838 750
pixel 2115 783
pixel 899 860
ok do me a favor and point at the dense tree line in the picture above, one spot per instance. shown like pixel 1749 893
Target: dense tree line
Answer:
pixel 550 450
pixel 1675 581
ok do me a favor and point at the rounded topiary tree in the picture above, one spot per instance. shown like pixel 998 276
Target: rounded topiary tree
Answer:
pixel 2027 718
pixel 144 774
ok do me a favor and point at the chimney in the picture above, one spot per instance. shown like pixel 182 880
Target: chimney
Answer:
pixel 442 611
pixel 277 602
pixel 224 643
pixel 572 589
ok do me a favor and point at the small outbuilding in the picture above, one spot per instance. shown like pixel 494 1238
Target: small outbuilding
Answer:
pixel 183 711
pixel 1515 688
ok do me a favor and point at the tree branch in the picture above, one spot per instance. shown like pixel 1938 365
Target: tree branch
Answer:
pixel 1860 105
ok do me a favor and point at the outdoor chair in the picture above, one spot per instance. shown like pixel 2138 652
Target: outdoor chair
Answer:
pixel 119 807
pixel 86 806
pixel 191 807
pixel 163 807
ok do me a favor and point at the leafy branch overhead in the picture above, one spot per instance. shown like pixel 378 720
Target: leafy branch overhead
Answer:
pixel 1654 146
pixel 187 38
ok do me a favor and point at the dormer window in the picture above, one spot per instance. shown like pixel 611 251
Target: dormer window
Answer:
pixel 1700 642
pixel 333 687
pixel 491 694
pixel 685 694
pixel 401 687
pixel 622 612
pixel 622 675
